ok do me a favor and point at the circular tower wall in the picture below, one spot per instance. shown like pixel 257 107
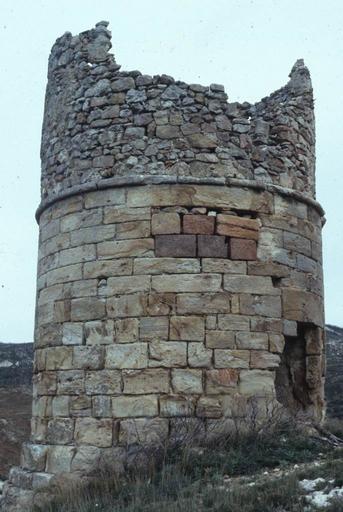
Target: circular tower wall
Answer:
pixel 180 272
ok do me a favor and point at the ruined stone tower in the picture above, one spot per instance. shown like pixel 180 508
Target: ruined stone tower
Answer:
pixel 180 269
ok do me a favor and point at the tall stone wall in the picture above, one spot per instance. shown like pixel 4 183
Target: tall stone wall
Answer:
pixel 180 271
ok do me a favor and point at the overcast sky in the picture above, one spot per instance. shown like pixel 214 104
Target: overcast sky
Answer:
pixel 247 45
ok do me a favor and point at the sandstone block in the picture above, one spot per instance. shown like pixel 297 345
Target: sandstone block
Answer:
pixel 45 383
pixel 126 248
pixel 190 328
pixel 60 406
pixel 59 358
pixel 302 306
pixel 95 432
pixel 133 229
pixel 81 219
pixel 60 431
pixel 314 341
pixel 233 322
pixel 72 333
pixel 203 303
pixel 77 254
pixel 263 324
pixel 198 224
pixel 242 249
pixel 152 328
pixel 143 431
pixel 252 340
pixel 261 268
pixel 140 382
pixel 99 332
pixel 187 381
pixel 297 243
pixel 276 343
pixel 258 285
pixel 290 328
pixel 165 223
pixel 221 381
pixel 187 283
pixel 101 406
pixel 199 356
pixel 126 285
pixel 116 214
pixel 92 235
pixel 86 459
pixel 212 246
pixel 161 303
pixel 70 382
pixel 257 382
pixel 237 227
pixel 33 456
pixel 131 355
pixel 64 274
pixel 177 246
pixel 220 339
pixel 105 197
pixel 127 330
pixel 103 382
pixel 209 408
pixel 224 358
pixel 166 265
pixel 176 406
pixel 88 357
pixel 80 406
pixel 223 266
pixel 134 406
pixel 168 354
pixel 263 305
pixel 127 306
pixel 104 269
pixel 314 371
pixel 264 360
pixel 59 459
pixel 87 308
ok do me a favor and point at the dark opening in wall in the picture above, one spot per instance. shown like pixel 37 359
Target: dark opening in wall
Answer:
pixel 299 373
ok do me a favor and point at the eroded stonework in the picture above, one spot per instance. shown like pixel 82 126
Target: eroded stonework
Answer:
pixel 180 270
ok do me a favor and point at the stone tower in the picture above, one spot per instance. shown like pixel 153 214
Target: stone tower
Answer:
pixel 180 270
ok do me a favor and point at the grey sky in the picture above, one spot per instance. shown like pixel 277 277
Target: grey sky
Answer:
pixel 247 45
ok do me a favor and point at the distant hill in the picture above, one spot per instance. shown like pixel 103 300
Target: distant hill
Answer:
pixel 334 371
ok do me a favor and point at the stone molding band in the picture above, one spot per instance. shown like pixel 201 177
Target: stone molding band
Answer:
pixel 135 180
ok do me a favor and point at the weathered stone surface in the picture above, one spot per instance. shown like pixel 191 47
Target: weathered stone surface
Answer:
pixel 252 340
pixel 250 284
pixel 276 343
pixel 127 306
pixel 127 330
pixel 95 432
pixel 152 380
pixel 237 227
pixel 130 355
pixel 256 382
pixel 88 358
pixel 212 246
pixel 302 306
pixel 220 339
pixel 260 268
pixel 59 358
pixel 208 407
pixel 166 266
pixel 87 308
pixel 134 406
pixel 196 303
pixel 198 224
pixel 143 431
pixel 233 322
pixel 134 229
pixel 125 284
pixel 168 354
pixel 106 268
pixel 224 266
pixel 165 223
pixel 177 246
pixel 176 406
pixel 99 332
pixel 126 248
pixel 189 328
pixel 221 381
pixel 264 305
pixel 242 249
pixel 187 283
pixel 59 459
pixel 186 381
pixel 33 456
pixel 231 358
pixel 199 356
pixel 103 382
pixel 152 328
pixel 262 359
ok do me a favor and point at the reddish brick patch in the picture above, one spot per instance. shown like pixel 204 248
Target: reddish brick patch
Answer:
pixel 242 249
pixel 175 246
pixel 237 227
pixel 212 246
pixel 198 224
